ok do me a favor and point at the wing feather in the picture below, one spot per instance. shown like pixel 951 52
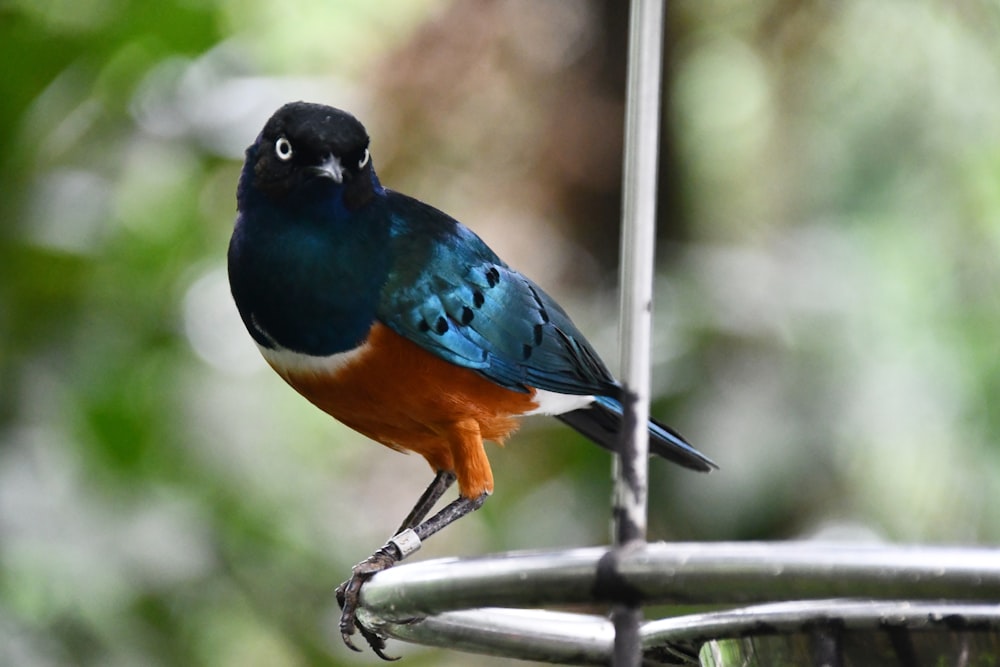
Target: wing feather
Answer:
pixel 450 294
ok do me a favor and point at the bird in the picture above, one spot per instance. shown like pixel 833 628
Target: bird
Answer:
pixel 400 322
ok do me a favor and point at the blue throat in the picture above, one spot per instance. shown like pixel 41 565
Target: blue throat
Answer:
pixel 307 277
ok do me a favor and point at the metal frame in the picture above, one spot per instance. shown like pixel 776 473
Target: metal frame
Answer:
pixel 490 605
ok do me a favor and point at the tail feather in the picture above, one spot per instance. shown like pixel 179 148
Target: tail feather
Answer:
pixel 601 421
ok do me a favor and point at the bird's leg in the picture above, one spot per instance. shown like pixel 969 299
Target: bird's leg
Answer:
pixel 442 482
pixel 396 549
pixel 348 591
pixel 382 559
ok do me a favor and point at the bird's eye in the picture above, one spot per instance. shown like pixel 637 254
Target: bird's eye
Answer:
pixel 364 159
pixel 283 149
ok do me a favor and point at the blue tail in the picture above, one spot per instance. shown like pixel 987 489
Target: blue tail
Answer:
pixel 601 421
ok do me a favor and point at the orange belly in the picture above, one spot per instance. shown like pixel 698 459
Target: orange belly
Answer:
pixel 400 395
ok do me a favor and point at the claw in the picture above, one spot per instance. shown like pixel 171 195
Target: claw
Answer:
pixel 349 596
pixel 348 641
pixel 376 642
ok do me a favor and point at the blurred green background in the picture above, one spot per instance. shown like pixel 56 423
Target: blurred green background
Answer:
pixel 827 317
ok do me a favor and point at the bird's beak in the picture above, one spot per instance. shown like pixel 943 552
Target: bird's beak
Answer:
pixel 330 168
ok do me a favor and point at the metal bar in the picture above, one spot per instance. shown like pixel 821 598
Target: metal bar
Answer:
pixel 642 118
pixel 687 573
pixel 638 239
pixel 583 639
pixel 802 616
pixel 524 634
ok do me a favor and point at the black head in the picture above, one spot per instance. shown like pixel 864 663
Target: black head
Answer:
pixel 310 146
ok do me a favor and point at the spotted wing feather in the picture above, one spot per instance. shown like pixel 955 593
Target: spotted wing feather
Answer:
pixel 450 294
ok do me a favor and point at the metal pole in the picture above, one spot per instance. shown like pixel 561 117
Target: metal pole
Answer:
pixel 642 118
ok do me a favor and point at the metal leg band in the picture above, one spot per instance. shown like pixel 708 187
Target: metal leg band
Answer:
pixel 407 542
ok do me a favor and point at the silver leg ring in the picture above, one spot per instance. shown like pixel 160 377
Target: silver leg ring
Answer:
pixel 407 542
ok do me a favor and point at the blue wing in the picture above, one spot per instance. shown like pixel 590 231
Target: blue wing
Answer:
pixel 450 294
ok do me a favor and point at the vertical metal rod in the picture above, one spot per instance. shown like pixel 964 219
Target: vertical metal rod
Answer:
pixel 638 239
pixel 642 118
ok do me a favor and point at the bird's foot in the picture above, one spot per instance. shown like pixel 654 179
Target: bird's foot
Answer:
pixel 349 596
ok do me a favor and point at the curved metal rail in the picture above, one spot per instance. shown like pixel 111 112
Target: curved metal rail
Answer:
pixel 490 605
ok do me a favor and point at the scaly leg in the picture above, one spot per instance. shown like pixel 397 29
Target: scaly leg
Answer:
pixel 442 482
pixel 406 541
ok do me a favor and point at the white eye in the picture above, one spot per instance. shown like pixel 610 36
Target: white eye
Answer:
pixel 283 149
pixel 364 159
